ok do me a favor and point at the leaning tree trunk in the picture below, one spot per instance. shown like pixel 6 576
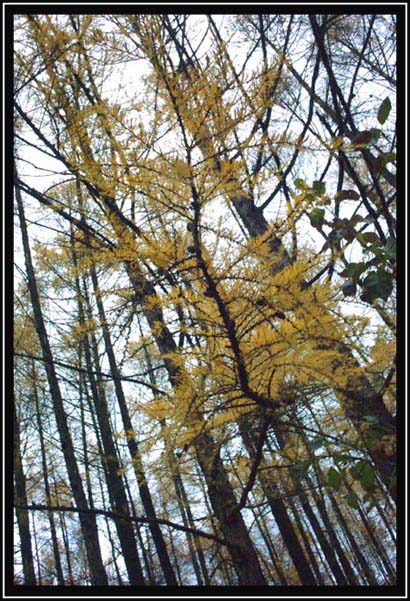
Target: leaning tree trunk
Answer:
pixel 111 462
pixel 145 493
pixel 279 512
pixel 358 398
pixel 219 488
pixel 87 520
pixel 53 532
pixel 197 554
pixel 330 546
pixel 20 498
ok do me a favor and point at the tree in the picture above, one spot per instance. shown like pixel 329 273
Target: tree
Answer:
pixel 215 222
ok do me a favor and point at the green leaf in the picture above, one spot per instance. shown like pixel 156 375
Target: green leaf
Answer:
pixel 375 133
pixel 357 469
pixel 319 187
pixel 390 157
pixel 368 238
pixel 364 473
pixel 352 501
pixel 390 248
pixel 300 470
pixel 353 271
pixel 300 184
pixel 378 284
pixel 335 478
pixel 371 419
pixel 384 110
pixel 367 478
pixel 383 159
pixel 317 217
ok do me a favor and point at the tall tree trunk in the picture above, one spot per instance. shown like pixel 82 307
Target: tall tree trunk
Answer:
pixel 83 392
pixel 197 554
pixel 56 551
pixel 127 424
pixel 145 493
pixel 306 542
pixel 115 485
pixel 87 520
pixel 183 504
pixel 350 575
pixel 223 500
pixel 378 547
pixel 108 524
pixel 64 534
pixel 271 550
pixel 324 542
pixel 358 397
pixel 36 550
pixel 114 547
pixel 279 512
pixel 366 569
pixel 20 499
pixel 146 556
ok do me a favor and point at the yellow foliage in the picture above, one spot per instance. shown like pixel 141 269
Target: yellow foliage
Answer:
pixel 159 408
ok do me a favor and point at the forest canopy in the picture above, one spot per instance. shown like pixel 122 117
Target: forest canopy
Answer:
pixel 204 301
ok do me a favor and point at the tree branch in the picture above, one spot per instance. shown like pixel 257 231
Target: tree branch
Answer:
pixel 118 516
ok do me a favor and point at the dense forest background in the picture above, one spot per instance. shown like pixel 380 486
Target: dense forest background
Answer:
pixel 205 288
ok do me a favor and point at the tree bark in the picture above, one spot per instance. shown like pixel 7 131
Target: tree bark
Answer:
pixel 279 512
pixel 112 465
pixel 145 493
pixel 56 551
pixel 219 488
pixel 359 398
pixel 88 521
pixel 20 497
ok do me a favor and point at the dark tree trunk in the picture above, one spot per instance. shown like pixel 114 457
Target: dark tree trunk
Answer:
pixel 87 520
pixel 112 466
pixel 145 554
pixel 326 546
pixel 20 499
pixel 307 544
pixel 271 550
pixel 366 569
pixel 66 544
pixel 56 551
pixel 279 512
pixel 197 555
pixel 145 493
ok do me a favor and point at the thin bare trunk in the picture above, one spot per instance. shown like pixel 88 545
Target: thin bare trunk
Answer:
pixel 20 495
pixel 88 521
